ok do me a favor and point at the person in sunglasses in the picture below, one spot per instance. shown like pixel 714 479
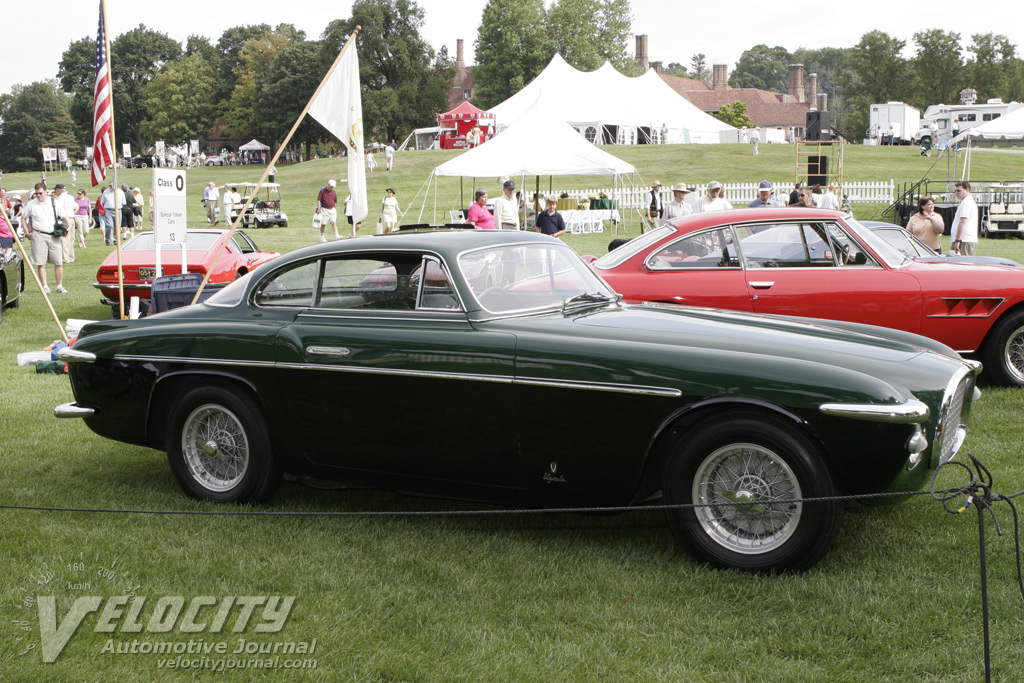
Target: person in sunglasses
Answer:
pixel 40 214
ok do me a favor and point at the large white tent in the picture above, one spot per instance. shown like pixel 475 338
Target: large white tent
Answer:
pixel 536 145
pixel 1005 128
pixel 608 107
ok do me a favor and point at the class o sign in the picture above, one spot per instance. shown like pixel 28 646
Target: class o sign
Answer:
pixel 170 210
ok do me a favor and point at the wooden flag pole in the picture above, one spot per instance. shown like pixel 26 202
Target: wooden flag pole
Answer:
pixel 273 162
pixel 25 261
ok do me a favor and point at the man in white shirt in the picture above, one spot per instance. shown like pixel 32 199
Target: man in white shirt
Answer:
pixel 40 214
pixel 229 205
pixel 67 203
pixel 677 207
pixel 506 208
pixel 829 199
pixel 210 199
pixel 713 200
pixel 964 229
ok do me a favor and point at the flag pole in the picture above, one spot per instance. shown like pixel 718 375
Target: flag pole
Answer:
pixel 113 149
pixel 273 162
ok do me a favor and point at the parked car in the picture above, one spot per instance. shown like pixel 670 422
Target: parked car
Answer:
pixel 497 367
pixel 824 264
pixel 12 279
pixel 138 259
pixel 141 161
pixel 215 161
pixel 905 241
pixel 266 208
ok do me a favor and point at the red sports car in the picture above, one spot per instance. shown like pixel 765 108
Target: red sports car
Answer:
pixel 138 260
pixel 824 264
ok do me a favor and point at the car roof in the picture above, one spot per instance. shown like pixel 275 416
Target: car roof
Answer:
pixel 698 221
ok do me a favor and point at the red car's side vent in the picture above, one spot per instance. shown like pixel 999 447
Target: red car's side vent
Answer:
pixel 966 307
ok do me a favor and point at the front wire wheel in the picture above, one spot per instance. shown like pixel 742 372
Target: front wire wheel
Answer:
pixel 1003 353
pixel 744 474
pixel 215 447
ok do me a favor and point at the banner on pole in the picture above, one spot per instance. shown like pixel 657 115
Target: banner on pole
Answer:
pixel 126 150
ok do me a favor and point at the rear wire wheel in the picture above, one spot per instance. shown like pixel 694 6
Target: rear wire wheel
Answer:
pixel 746 473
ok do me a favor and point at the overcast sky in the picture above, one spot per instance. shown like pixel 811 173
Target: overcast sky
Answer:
pixel 721 31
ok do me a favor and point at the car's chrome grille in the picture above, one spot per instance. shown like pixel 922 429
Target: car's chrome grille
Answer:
pixel 951 419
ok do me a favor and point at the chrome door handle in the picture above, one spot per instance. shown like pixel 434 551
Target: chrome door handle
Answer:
pixel 762 284
pixel 330 351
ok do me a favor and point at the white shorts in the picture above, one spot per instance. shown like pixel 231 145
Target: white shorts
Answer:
pixel 329 216
pixel 46 249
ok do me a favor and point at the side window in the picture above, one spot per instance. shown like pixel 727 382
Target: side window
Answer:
pixel 784 245
pixel 848 251
pixel 436 291
pixel 242 243
pixel 708 249
pixel 293 287
pixel 369 282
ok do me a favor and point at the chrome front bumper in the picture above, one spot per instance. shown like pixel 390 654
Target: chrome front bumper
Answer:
pixel 72 410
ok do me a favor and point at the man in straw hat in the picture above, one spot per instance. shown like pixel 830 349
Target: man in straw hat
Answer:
pixel 677 207
pixel 654 205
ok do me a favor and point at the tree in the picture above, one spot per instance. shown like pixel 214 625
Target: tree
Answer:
pixel 875 72
pixel 699 67
pixel 735 115
pixel 937 70
pixel 763 67
pixel 255 61
pixel 35 116
pixel 405 83
pixel 990 72
pixel 512 48
pixel 76 73
pixel 675 69
pixel 180 101
pixel 589 32
pixel 137 56
pixel 228 46
pixel 294 77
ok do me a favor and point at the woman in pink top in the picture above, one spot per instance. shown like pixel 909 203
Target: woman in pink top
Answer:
pixel 478 213
pixel 82 217
pixel 927 224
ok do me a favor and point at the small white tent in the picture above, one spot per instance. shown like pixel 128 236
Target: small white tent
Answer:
pixel 535 145
pixel 608 107
pixel 253 145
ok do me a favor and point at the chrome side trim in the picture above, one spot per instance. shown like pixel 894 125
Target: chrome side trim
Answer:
pixel 445 316
pixel 908 412
pixel 65 410
pixel 500 379
pixel 127 285
pixel 70 355
pixel 600 386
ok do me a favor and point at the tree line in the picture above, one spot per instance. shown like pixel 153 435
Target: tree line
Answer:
pixel 255 79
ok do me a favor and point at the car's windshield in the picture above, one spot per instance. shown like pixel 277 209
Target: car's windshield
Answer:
pixel 633 247
pixel 893 257
pixel 527 277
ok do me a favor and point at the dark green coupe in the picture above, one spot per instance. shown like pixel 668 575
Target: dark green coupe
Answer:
pixel 496 366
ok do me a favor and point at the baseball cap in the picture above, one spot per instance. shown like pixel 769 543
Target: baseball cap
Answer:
pixel 508 185
pixel 765 185
pixel 58 186
pixel 714 185
pixel 332 183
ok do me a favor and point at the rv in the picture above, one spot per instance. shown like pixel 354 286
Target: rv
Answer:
pixel 944 119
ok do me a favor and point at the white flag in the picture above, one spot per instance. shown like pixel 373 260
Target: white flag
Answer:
pixel 339 109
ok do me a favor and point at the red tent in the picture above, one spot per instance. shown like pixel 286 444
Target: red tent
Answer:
pixel 456 123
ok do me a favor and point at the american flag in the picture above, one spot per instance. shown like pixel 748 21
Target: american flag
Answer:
pixel 103 111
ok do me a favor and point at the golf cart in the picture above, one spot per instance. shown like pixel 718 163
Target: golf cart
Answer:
pixel 266 207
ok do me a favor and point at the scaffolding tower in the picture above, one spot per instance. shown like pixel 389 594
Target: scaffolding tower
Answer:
pixel 819 162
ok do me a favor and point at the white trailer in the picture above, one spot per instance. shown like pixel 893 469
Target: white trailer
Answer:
pixel 941 120
pixel 904 119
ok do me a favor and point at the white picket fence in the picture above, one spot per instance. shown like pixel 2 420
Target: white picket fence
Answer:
pixel 741 194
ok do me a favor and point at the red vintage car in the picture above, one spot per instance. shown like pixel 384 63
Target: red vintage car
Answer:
pixel 824 264
pixel 138 260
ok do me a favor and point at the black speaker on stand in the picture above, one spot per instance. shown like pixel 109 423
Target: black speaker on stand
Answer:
pixel 818 124
pixel 817 170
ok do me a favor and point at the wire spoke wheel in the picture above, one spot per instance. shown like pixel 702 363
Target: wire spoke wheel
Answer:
pixel 765 487
pixel 1013 354
pixel 215 447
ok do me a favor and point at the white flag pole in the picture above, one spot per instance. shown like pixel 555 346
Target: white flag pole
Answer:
pixel 277 154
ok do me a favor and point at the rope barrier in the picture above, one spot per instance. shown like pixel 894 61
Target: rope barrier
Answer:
pixel 976 492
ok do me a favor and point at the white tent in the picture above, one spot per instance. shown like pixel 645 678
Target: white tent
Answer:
pixel 535 145
pixel 608 107
pixel 253 145
pixel 1005 128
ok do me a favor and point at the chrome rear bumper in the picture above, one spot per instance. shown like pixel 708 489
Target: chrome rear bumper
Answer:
pixel 72 410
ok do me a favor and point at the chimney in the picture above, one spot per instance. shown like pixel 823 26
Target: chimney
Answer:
pixel 719 76
pixel 641 51
pixel 460 65
pixel 796 82
pixel 657 66
pixel 812 89
pixel 822 101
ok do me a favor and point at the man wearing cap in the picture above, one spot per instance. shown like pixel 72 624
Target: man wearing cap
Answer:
pixel 210 198
pixel 713 200
pixel 677 207
pixel 764 197
pixel 654 205
pixel 67 203
pixel 326 202
pixel 550 222
pixel 506 208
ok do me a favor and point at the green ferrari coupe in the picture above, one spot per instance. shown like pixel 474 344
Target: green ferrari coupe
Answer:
pixel 498 367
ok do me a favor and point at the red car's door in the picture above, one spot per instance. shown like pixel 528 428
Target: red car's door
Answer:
pixel 817 270
pixel 699 269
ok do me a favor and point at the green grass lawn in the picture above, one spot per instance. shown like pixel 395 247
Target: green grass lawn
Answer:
pixel 518 598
